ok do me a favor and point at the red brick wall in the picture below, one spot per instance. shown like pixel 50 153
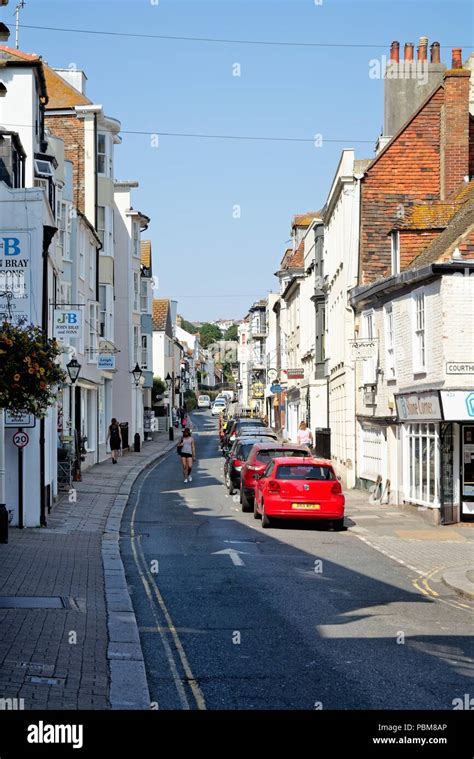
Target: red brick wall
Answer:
pixel 412 244
pixel 408 171
pixel 471 146
pixel 71 130
pixel 454 131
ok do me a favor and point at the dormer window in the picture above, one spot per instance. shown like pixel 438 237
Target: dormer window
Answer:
pixel 43 168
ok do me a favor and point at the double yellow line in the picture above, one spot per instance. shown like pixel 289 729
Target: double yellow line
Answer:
pixel 156 602
pixel 423 586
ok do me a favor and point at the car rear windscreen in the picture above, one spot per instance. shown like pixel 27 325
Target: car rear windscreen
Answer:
pixel 245 450
pixel 304 472
pixel 268 455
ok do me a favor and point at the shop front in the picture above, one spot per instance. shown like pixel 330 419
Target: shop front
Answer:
pixel 437 441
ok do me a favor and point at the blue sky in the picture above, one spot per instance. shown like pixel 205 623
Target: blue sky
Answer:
pixel 215 265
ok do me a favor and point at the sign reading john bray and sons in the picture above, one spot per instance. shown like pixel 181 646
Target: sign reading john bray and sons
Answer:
pixel 15 276
pixel 415 407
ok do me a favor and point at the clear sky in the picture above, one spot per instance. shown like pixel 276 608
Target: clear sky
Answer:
pixel 213 263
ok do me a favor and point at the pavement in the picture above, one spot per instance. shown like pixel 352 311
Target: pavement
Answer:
pixel 84 654
pixel 72 640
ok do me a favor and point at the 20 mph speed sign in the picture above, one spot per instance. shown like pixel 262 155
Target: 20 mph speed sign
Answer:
pixel 21 439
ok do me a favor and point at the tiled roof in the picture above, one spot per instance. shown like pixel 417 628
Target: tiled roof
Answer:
pixel 441 249
pixel 10 53
pixel 145 253
pixel 61 94
pixel 297 259
pixel 305 219
pixel 438 214
pixel 160 314
pixel 9 56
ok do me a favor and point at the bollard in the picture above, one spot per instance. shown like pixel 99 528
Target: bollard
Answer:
pixel 136 442
pixel 171 433
pixel 3 523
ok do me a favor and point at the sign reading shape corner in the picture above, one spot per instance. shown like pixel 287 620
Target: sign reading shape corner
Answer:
pixel 458 405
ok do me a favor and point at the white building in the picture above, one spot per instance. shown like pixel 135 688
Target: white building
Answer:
pixel 128 399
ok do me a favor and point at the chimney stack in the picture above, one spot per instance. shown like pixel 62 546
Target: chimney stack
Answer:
pixel 454 144
pixel 423 49
pixel 456 58
pixel 435 56
pixel 409 51
pixel 395 52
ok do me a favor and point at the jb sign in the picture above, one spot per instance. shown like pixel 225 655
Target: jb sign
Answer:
pixel 67 324
pixel 15 276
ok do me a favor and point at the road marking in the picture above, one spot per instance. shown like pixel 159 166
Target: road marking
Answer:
pixel 234 555
pixel 149 581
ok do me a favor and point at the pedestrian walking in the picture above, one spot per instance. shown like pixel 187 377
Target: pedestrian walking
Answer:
pixel 305 436
pixel 115 436
pixel 187 451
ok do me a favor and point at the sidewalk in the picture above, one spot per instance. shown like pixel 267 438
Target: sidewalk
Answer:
pixel 70 640
pixel 445 553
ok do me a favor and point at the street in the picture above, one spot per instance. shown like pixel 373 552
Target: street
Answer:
pixel 231 616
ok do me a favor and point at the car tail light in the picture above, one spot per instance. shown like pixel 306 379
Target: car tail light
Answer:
pixel 336 489
pixel 237 462
pixel 252 468
pixel 273 486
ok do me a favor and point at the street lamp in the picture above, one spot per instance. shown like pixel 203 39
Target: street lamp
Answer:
pixel 73 369
pixel 137 374
pixel 169 382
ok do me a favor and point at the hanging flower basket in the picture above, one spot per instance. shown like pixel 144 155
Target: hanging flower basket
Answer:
pixel 29 372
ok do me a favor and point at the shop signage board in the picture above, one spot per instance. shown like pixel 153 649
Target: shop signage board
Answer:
pixel 468 461
pixel 272 375
pixel 419 407
pixel 106 361
pixel 276 388
pixel 15 276
pixel 294 374
pixel 67 324
pixel 363 349
pixel 458 405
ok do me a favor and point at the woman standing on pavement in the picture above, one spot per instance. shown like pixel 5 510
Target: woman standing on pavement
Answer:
pixel 305 436
pixel 187 451
pixel 115 436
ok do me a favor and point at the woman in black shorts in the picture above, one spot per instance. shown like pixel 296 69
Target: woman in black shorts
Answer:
pixel 187 451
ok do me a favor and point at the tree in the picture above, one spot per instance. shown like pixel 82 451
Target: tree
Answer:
pixel 231 333
pixel 188 326
pixel 209 333
pixel 159 387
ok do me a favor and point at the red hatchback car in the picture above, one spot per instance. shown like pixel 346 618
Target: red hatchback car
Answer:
pixel 258 460
pixel 305 488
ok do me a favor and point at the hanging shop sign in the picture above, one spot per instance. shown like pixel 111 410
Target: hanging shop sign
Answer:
pixel 272 375
pixel 258 390
pixel 294 374
pixel 106 361
pixel 276 389
pixel 364 348
pixel 67 324
pixel 419 407
pixel 15 276
pixel 458 405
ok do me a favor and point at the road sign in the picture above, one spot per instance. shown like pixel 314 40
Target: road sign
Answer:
pixel 19 419
pixel 21 439
pixel 276 388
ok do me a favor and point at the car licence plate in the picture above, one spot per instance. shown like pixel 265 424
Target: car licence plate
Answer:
pixel 311 506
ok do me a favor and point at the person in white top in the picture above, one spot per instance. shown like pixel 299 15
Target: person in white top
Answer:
pixel 305 436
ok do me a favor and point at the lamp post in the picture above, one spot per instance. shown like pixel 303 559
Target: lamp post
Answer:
pixel 73 369
pixel 169 382
pixel 137 375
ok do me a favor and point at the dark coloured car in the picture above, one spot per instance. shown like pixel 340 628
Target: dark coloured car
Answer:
pixel 237 457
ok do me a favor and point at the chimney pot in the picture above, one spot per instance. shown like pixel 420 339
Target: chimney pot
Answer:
pixel 456 58
pixel 435 49
pixel 395 51
pixel 409 51
pixel 422 48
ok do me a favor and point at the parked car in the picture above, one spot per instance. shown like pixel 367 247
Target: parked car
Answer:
pixel 234 428
pixel 204 401
pixel 218 406
pixel 305 488
pixel 257 461
pixel 229 394
pixel 237 458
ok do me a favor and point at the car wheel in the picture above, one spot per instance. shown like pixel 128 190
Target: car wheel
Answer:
pixel 266 521
pixel 256 514
pixel 246 505
pixel 230 485
pixel 338 524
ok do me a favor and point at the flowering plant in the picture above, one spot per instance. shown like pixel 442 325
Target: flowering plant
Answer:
pixel 29 372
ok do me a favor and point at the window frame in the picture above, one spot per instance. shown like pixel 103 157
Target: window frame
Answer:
pixel 395 251
pixel 391 369
pixel 419 332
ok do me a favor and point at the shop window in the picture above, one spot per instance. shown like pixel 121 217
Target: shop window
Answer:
pixel 422 457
